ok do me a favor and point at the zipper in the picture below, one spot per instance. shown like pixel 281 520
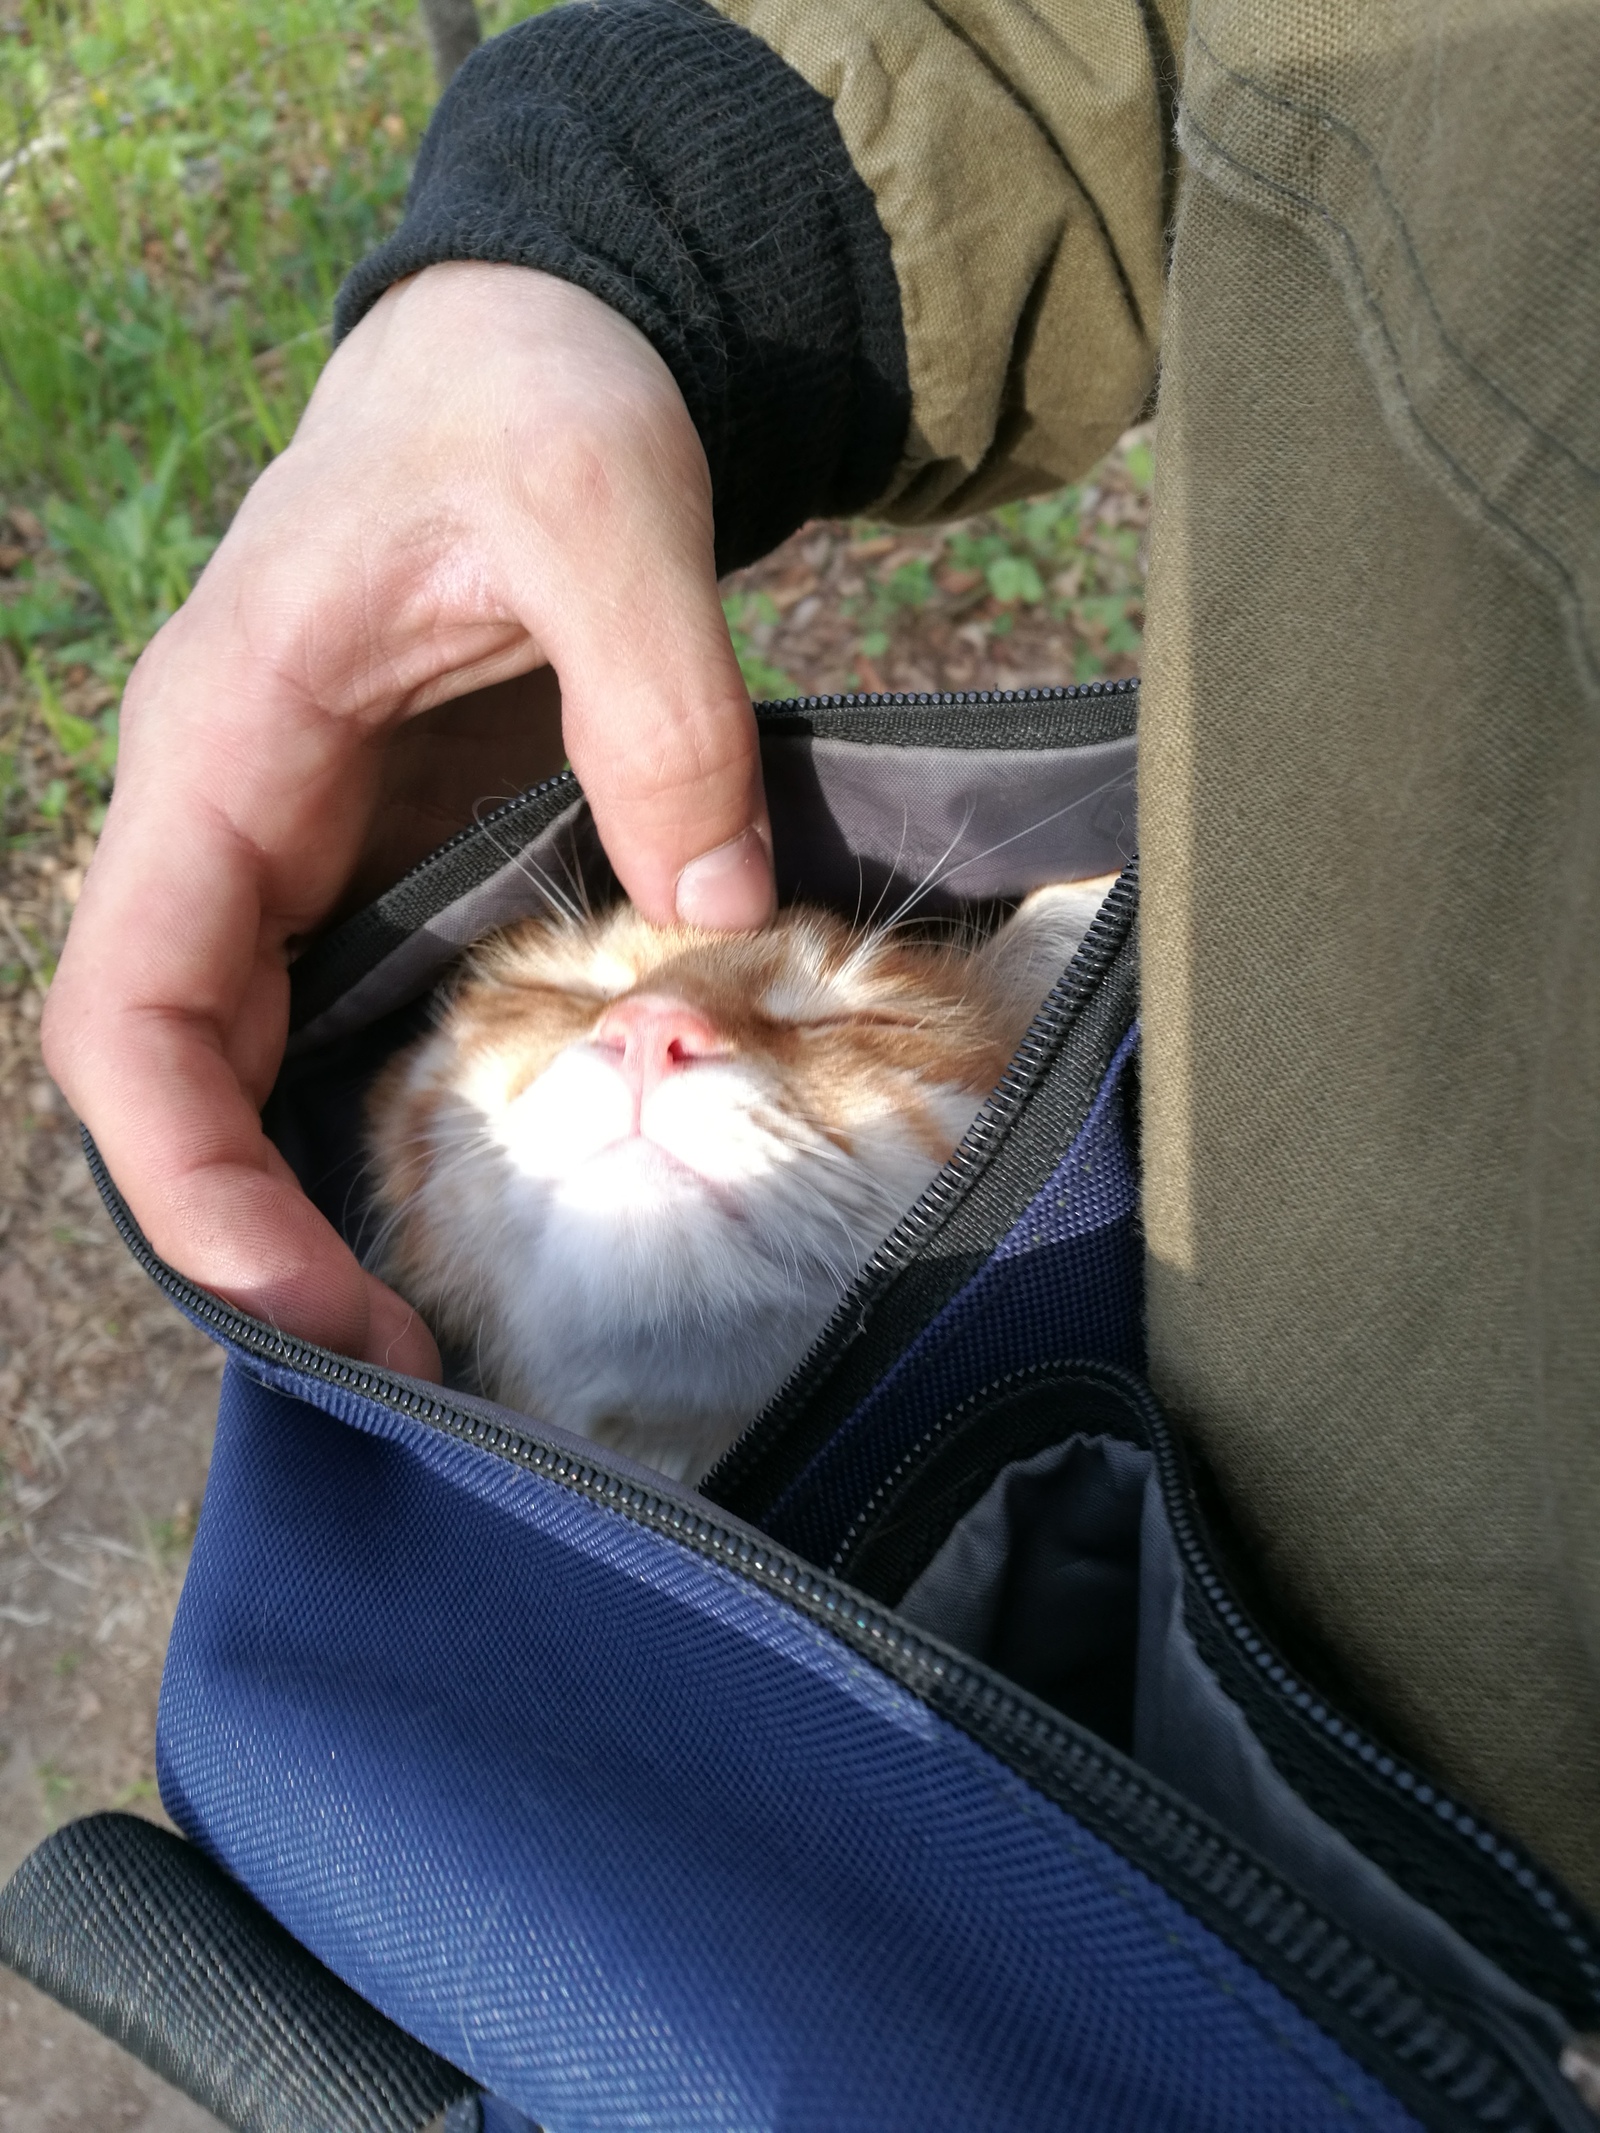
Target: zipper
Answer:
pixel 1436 2063
pixel 736 1481
pixel 340 959
pixel 774 713
pixel 1269 1677
pixel 897 718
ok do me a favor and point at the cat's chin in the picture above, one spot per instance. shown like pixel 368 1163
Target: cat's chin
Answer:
pixel 631 1174
pixel 638 1178
pixel 670 1387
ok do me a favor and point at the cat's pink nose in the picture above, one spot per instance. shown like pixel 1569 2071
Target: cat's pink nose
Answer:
pixel 656 1035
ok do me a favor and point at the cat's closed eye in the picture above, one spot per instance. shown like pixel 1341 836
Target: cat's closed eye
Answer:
pixel 632 1170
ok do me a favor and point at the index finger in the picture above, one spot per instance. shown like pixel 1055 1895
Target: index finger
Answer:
pixel 164 1026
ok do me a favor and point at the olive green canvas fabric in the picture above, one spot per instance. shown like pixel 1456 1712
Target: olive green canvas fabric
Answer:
pixel 1370 797
pixel 1362 808
pixel 1370 782
pixel 1021 161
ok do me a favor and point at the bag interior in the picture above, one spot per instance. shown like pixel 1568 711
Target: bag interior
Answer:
pixel 1065 1578
pixel 877 812
pixel 1064 1575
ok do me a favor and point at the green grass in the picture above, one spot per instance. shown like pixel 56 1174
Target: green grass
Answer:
pixel 171 1538
pixel 746 612
pixel 183 185
pixel 56 1787
pixel 1047 553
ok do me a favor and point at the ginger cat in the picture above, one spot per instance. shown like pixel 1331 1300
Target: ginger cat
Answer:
pixel 632 1170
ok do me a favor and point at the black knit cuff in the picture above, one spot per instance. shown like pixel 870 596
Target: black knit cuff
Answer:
pixel 671 164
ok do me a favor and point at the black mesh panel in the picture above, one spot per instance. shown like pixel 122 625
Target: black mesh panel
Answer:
pixel 140 1934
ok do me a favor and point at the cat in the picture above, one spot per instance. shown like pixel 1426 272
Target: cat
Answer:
pixel 631 1171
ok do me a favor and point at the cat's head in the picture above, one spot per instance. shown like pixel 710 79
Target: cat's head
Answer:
pixel 633 1169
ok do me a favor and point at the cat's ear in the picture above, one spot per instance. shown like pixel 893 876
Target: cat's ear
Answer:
pixel 1024 958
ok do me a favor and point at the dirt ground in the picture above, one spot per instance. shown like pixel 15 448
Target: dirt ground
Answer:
pixel 107 1396
pixel 105 1423
pixel 106 1406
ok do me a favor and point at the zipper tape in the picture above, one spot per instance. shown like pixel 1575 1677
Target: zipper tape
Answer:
pixel 1437 2062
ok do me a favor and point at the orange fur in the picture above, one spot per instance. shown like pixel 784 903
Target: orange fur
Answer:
pixel 526 1217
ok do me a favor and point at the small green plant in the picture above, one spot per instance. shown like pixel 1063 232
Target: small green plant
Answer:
pixel 56 1788
pixel 87 743
pixel 752 617
pixel 141 555
pixel 1058 555
pixel 171 1538
pixel 36 610
pixel 905 590
pixel 86 749
pixel 1014 578
pixel 182 189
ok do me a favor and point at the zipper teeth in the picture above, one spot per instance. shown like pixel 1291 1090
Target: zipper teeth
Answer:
pixel 977 1144
pixel 1491 1845
pixel 1376 1761
pixel 1378 2001
pixel 901 699
pixel 892 700
pixel 1094 954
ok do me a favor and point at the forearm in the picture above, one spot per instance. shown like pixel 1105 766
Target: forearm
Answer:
pixel 894 255
pixel 673 166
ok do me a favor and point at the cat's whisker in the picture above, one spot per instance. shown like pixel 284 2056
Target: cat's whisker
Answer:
pixel 861 888
pixel 900 852
pixel 582 1279
pixel 576 882
pixel 566 906
pixel 868 1189
pixel 1030 829
pixel 449 1161
pixel 877 932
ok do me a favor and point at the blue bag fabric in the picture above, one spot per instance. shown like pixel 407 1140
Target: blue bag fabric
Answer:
pixel 1066 1279
pixel 619 1797
pixel 638 1844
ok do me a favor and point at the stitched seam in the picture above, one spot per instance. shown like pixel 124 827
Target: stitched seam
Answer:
pixel 1333 123
pixel 1468 481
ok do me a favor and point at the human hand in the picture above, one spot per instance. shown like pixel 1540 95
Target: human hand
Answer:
pixel 496 473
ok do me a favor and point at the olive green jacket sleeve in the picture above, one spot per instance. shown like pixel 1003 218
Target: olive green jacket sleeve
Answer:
pixel 899 255
pixel 1021 160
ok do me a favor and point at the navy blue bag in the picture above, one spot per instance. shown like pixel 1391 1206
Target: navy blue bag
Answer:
pixel 925 1768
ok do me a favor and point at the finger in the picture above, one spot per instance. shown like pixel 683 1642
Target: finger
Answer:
pixel 218 1203
pixel 164 1027
pixel 615 577
pixel 664 742
pixel 244 788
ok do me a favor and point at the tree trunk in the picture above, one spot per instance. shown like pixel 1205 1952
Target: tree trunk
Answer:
pixel 454 31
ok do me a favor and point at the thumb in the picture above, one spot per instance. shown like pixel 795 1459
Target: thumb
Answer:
pixel 622 596
pixel 664 743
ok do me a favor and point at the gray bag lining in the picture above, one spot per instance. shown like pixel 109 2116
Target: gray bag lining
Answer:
pixel 852 819
pixel 535 877
pixel 1059 1522
pixel 862 827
